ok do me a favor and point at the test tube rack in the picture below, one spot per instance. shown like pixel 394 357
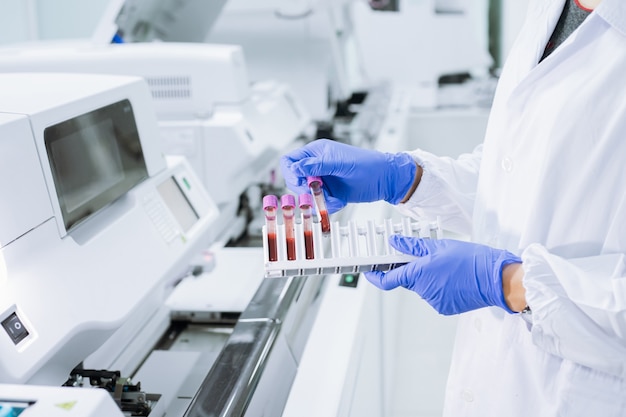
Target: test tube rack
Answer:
pixel 350 248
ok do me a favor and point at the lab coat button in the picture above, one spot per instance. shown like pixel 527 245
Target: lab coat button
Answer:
pixel 467 395
pixel 507 164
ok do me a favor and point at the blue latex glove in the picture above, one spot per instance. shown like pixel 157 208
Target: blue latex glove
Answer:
pixel 350 174
pixel 451 275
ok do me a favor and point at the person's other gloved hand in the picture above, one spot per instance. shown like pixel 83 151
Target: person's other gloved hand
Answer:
pixel 350 174
pixel 451 275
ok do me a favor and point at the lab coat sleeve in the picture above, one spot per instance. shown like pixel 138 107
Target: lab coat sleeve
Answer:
pixel 578 307
pixel 447 189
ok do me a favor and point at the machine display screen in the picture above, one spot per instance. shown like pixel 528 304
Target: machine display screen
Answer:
pixel 12 408
pixel 178 204
pixel 95 158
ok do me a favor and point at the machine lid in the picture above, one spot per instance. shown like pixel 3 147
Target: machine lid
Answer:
pixel 164 20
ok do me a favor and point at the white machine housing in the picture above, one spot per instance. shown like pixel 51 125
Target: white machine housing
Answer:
pixel 186 80
pixel 422 41
pixel 239 145
pixel 298 42
pixel 73 286
pixel 304 43
pixel 207 109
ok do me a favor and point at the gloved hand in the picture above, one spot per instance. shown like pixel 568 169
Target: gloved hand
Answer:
pixel 350 174
pixel 451 275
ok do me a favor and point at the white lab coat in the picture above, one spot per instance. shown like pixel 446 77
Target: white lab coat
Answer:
pixel 552 188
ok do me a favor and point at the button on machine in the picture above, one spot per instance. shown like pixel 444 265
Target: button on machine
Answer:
pixel 349 280
pixel 15 328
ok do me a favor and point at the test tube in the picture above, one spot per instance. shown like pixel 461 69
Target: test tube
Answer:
pixel 288 204
pixel 270 205
pixel 315 184
pixel 306 203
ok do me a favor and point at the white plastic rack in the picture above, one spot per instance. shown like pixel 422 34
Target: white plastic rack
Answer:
pixel 347 249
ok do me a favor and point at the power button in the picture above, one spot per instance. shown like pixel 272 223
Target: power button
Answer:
pixel 349 280
pixel 15 328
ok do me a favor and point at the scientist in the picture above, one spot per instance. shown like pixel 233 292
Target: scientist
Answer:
pixel 544 200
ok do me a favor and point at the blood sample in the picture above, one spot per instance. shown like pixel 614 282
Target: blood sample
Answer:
pixel 315 184
pixel 288 204
pixel 270 205
pixel 306 203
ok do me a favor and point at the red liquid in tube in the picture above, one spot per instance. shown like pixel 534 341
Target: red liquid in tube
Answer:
pixel 291 249
pixel 325 222
pixel 308 244
pixel 272 247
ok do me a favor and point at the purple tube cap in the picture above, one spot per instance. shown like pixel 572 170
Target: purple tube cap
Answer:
pixel 309 180
pixel 288 200
pixel 305 200
pixel 270 201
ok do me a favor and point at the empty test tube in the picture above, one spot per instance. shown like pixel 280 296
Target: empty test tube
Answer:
pixel 270 205
pixel 288 204
pixel 306 204
pixel 315 184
